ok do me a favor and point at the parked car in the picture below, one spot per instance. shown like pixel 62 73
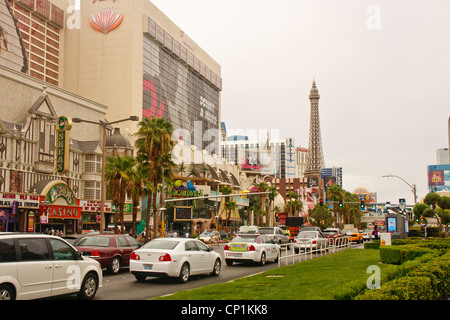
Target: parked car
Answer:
pixel 34 266
pixel 332 234
pixel 368 234
pixel 277 234
pixel 174 257
pixel 251 248
pixel 354 234
pixel 113 251
pixel 310 240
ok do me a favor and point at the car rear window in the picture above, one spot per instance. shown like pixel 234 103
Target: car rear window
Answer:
pixel 307 234
pixel 7 251
pixel 161 244
pixel 93 241
pixel 247 239
pixel 266 231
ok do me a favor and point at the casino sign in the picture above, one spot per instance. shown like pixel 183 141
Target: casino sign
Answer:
pixel 60 201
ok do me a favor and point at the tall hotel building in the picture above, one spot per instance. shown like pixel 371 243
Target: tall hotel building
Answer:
pixel 130 57
pixel 126 55
pixel 94 60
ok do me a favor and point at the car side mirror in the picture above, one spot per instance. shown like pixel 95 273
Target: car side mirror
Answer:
pixel 210 249
pixel 79 255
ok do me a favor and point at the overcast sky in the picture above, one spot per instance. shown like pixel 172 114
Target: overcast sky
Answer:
pixel 382 69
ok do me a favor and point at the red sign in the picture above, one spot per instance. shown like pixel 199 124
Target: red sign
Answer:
pixel 63 212
pixel 31 222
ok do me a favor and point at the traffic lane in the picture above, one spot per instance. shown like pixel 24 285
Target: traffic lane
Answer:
pixel 124 286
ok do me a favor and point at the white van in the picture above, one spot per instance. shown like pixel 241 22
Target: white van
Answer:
pixel 34 266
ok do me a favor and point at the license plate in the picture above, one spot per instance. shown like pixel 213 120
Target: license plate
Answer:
pixel 234 254
pixel 148 266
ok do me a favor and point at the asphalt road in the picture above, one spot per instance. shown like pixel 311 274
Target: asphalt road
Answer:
pixel 124 286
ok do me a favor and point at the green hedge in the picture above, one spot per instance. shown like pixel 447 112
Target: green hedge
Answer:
pixel 426 278
pixel 399 254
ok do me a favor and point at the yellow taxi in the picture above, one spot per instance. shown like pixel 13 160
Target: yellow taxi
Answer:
pixel 354 234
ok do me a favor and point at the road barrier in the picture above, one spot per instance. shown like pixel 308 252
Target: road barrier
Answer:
pixel 338 244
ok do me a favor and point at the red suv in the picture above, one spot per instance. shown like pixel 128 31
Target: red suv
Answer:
pixel 113 251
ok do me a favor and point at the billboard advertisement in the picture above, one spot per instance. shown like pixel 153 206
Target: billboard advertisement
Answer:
pixel 171 89
pixel 439 178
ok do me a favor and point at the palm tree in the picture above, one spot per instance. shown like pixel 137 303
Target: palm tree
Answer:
pixel 230 206
pixel 117 173
pixel 335 193
pixel 181 167
pixel 137 183
pixel 154 145
pixel 204 169
pixel 193 171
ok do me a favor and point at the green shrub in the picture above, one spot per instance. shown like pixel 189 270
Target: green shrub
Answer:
pixel 432 231
pixel 399 254
pixel 406 288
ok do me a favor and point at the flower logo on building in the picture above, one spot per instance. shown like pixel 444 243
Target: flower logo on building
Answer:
pixel 106 20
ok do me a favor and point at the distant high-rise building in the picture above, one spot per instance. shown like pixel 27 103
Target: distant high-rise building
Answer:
pixel 442 156
pixel 334 172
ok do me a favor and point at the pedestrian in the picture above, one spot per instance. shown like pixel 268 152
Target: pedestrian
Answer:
pixel 375 232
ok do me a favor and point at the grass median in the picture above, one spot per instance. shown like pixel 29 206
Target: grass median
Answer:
pixel 323 278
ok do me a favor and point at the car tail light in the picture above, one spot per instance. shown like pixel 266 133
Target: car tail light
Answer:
pixel 314 242
pixel 135 256
pixel 251 248
pixel 95 253
pixel 165 257
pixel 227 247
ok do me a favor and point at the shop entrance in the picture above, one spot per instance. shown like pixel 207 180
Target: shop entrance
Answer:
pixel 182 228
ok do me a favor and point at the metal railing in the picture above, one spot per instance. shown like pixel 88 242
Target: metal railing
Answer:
pixel 338 244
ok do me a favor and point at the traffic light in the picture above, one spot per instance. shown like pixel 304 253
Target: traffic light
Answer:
pixel 341 204
pixel 321 202
pixel 363 206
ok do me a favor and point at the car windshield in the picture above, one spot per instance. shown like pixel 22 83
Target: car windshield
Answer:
pixel 161 244
pixel 307 234
pixel 245 239
pixel 266 231
pixel 93 241
pixel 329 232
pixel 350 231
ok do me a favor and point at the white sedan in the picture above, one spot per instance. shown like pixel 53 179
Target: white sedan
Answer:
pixel 174 257
pixel 251 247
pixel 310 240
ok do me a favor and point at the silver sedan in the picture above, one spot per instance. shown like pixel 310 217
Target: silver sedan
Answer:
pixel 310 240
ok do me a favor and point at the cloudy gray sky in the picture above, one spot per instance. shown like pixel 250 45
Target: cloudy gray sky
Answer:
pixel 382 68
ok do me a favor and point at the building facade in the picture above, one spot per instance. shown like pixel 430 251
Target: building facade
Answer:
pixel 131 57
pixel 94 60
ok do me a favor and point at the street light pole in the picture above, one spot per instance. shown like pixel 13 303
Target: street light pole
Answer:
pixel 104 124
pixel 413 187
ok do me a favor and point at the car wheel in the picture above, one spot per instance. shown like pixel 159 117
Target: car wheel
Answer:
pixel 229 262
pixel 88 287
pixel 263 259
pixel 216 269
pixel 7 292
pixel 184 273
pixel 114 268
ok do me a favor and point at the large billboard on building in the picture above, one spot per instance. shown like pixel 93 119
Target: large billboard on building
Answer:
pixel 439 178
pixel 175 90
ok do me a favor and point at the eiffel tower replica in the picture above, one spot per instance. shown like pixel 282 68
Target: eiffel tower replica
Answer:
pixel 315 161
